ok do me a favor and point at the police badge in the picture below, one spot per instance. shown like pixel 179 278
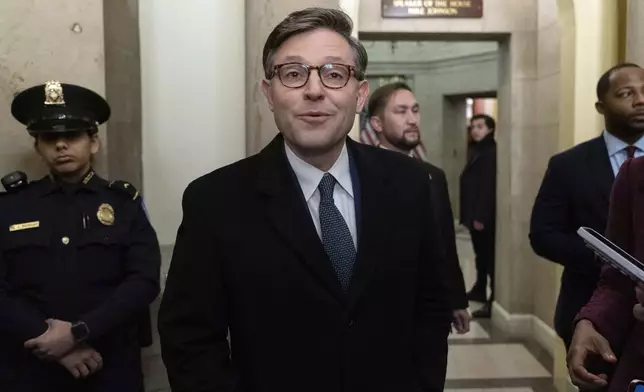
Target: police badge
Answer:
pixel 105 214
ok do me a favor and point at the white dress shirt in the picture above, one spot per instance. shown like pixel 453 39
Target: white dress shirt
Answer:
pixel 309 178
pixel 617 150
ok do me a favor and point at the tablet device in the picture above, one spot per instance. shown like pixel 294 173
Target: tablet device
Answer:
pixel 612 254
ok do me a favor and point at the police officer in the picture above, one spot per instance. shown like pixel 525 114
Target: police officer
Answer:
pixel 79 260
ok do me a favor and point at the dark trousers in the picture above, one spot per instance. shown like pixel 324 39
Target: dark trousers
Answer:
pixel 483 243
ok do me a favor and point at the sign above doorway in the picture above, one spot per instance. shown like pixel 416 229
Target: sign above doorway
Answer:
pixel 432 8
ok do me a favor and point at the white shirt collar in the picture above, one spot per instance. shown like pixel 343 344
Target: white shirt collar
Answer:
pixel 310 176
pixel 615 145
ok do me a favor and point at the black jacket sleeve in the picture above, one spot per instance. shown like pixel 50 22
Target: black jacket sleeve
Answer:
pixel 552 233
pixel 433 313
pixel 484 210
pixel 19 321
pixel 193 318
pixel 445 215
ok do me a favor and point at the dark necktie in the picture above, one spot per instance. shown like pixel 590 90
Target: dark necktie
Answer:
pixel 336 236
pixel 630 152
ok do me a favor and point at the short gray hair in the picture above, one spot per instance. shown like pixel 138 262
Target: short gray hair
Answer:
pixel 309 19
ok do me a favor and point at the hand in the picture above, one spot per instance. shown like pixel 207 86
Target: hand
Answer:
pixel 54 343
pixel 587 344
pixel 461 321
pixel 82 361
pixel 638 309
pixel 478 226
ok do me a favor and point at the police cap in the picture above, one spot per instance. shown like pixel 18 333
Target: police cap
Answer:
pixel 59 107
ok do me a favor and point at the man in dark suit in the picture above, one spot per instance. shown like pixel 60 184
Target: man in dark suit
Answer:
pixel 394 114
pixel 318 255
pixel 576 190
pixel 478 206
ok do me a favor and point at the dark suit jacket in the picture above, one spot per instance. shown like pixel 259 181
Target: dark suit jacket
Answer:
pixel 443 212
pixel 247 258
pixel 478 185
pixel 575 192
pixel 611 307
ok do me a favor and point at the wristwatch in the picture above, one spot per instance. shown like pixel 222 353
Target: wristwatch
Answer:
pixel 80 331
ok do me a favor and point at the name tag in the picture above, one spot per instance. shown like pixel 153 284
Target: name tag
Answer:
pixel 24 226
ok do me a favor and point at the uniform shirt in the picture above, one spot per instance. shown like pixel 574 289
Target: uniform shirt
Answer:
pixel 83 252
pixel 309 177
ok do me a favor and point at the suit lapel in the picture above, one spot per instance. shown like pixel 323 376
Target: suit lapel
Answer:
pixel 287 212
pixel 371 224
pixel 602 170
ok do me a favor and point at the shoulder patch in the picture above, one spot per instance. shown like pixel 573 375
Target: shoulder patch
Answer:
pixel 126 188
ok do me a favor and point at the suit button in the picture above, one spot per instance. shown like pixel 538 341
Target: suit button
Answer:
pixel 65 240
pixel 350 323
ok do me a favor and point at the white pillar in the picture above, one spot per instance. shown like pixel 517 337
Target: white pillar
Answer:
pixel 193 98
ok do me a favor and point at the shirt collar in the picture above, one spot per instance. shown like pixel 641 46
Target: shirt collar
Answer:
pixel 310 176
pixel 615 145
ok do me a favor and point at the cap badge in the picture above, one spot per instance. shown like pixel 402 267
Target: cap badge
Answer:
pixel 54 93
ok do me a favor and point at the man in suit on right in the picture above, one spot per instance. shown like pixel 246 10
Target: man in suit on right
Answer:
pixel 576 190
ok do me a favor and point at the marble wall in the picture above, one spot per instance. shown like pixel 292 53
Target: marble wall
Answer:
pixel 635 32
pixel 547 130
pixel 39 41
pixel 123 90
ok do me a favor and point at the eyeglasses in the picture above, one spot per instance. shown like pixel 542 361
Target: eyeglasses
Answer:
pixel 296 75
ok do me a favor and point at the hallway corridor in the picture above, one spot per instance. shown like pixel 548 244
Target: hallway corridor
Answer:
pixel 484 360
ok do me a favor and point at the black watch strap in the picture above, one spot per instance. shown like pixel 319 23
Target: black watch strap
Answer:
pixel 80 331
